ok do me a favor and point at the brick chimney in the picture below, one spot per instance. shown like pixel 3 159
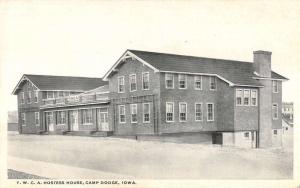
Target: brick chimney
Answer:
pixel 262 63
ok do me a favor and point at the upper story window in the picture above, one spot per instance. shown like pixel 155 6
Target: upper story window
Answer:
pixel 210 112
pixel 239 97
pixel 198 112
pixel 182 111
pixel 122 117
pixel 145 79
pixel 60 117
pixel 29 97
pixel 22 97
pixel 133 111
pixel 36 96
pixel 275 111
pixel 37 118
pixel 87 116
pixel 121 84
pixel 213 83
pixel 23 119
pixel 169 81
pixel 246 97
pixel 146 112
pixel 275 86
pixel 198 82
pixel 50 94
pixel 132 82
pixel 169 111
pixel 182 79
pixel 253 97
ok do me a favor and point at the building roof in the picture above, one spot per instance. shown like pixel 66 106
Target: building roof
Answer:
pixel 67 83
pixel 236 72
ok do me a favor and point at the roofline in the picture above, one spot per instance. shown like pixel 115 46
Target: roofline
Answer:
pixel 20 81
pixel 62 90
pixel 265 78
pixel 242 85
pixel 104 102
pixel 125 55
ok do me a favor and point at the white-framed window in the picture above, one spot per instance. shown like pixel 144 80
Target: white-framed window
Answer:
pixel 60 94
pixel 182 111
pixel 253 97
pixel 86 116
pixel 50 94
pixel 275 111
pixel 169 112
pixel 122 117
pixel 22 98
pixel 182 81
pixel 198 82
pixel 66 93
pixel 210 112
pixel 246 97
pixel 132 82
pixel 36 96
pixel 198 112
pixel 247 135
pixel 275 86
pixel 145 80
pixel 60 117
pixel 146 112
pixel 275 132
pixel 169 79
pixel 133 112
pixel 23 119
pixel 212 83
pixel 121 84
pixel 239 97
pixel 37 118
pixel 29 97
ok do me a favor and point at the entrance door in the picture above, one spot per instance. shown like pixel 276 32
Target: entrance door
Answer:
pixel 74 120
pixel 102 123
pixel 49 121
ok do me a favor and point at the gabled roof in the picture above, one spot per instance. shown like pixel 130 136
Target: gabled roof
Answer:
pixel 67 83
pixel 231 71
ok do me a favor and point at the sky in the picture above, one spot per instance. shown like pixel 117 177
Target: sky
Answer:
pixel 85 38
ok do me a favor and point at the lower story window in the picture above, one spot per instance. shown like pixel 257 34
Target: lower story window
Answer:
pixel 122 117
pixel 133 109
pixel 275 132
pixel 169 111
pixel 37 118
pixel 210 112
pixel 23 119
pixel 61 118
pixel 87 116
pixel 198 112
pixel 182 111
pixel 146 112
pixel 275 111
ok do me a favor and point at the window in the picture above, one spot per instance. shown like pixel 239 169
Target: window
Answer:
pixel 198 82
pixel 198 112
pixel 50 94
pixel 87 116
pixel 182 111
pixel 275 86
pixel 213 83
pixel 29 97
pixel 66 93
pixel 182 81
pixel 253 97
pixel 122 118
pixel 239 97
pixel 247 135
pixel 60 93
pixel 61 117
pixel 145 80
pixel 246 97
pixel 36 96
pixel 133 111
pixel 275 111
pixel 210 112
pixel 37 118
pixel 132 82
pixel 121 84
pixel 146 112
pixel 275 132
pixel 169 81
pixel 22 98
pixel 23 119
pixel 169 111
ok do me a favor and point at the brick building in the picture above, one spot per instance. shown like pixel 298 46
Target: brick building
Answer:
pixel 157 95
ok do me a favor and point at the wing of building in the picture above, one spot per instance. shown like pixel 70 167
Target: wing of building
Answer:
pixel 152 95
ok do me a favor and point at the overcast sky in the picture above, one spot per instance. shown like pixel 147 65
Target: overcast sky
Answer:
pixel 85 38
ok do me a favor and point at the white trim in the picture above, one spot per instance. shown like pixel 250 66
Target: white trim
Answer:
pixel 213 112
pixel 239 85
pixel 130 75
pixel 23 114
pixel 144 113
pixel 143 80
pixel 195 76
pixel 122 114
pixel 186 111
pixel 242 97
pixel 265 78
pixel 277 111
pixel 210 79
pixel 24 77
pixel 185 80
pixel 131 110
pixel 201 111
pixel 38 115
pixel 166 85
pixel 249 97
pixel 256 98
pixel 122 77
pixel 168 121
pixel 62 106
